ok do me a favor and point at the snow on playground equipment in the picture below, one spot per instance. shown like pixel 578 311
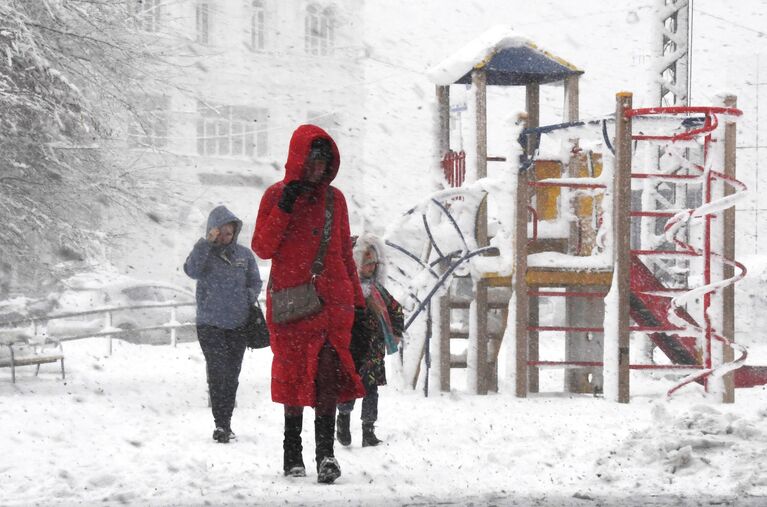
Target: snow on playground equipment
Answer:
pixel 660 311
pixel 444 216
pixel 514 60
pixel 578 210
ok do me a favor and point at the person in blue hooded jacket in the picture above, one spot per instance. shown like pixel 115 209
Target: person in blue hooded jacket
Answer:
pixel 228 284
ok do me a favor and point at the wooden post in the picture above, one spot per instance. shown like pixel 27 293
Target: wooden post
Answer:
pixel 571 98
pixel 521 323
pixel 443 112
pixel 533 347
pixel 482 367
pixel 444 343
pixel 479 82
pixel 533 106
pixel 622 237
pixel 728 294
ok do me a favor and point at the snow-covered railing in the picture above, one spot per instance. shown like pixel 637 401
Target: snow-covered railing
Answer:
pixel 39 324
pixel 432 243
pixel 439 235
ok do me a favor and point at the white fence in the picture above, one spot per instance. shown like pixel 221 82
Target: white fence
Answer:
pixel 38 325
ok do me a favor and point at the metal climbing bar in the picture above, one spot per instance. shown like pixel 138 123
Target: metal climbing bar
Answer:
pixel 708 211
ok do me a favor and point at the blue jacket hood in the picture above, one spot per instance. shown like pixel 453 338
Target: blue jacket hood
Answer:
pixel 221 215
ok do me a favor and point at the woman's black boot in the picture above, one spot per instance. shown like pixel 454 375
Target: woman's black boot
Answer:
pixel 328 469
pixel 293 461
pixel 369 438
pixel 343 433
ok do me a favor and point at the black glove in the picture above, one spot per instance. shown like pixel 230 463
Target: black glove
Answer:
pixel 291 192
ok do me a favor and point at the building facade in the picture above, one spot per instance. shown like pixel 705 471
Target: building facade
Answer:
pixel 241 76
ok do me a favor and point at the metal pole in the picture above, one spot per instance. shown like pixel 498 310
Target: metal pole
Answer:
pixel 108 325
pixel 173 338
pixel 427 353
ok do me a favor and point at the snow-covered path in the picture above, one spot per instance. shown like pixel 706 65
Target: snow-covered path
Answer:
pixel 134 428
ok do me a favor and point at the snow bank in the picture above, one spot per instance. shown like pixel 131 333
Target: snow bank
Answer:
pixel 134 428
pixel 684 449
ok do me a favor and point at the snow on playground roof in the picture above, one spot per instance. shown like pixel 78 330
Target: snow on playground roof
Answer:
pixel 510 59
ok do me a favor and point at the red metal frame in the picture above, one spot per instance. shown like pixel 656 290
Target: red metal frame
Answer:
pixel 534 212
pixel 454 167
pixel 710 124
pixel 663 301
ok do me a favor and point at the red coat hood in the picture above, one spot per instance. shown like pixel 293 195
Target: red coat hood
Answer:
pixel 300 145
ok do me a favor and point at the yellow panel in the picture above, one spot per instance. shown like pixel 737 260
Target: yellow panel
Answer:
pixel 553 278
pixel 564 278
pixel 495 280
pixel 547 198
pixel 584 203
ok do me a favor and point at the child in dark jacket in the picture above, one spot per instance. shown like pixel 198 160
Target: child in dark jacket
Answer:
pixel 376 333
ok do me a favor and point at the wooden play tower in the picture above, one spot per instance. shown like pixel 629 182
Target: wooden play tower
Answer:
pixel 513 61
pixel 563 265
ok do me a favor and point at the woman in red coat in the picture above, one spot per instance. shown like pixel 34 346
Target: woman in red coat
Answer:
pixel 312 365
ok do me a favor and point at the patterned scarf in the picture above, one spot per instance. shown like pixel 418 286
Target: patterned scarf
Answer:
pixel 378 305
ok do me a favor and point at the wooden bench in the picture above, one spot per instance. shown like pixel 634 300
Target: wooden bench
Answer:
pixel 22 352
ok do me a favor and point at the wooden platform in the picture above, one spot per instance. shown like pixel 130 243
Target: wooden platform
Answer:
pixel 547 277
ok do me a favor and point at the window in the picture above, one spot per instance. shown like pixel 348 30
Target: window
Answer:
pixel 147 14
pixel 202 18
pixel 319 31
pixel 257 35
pixel 231 131
pixel 150 125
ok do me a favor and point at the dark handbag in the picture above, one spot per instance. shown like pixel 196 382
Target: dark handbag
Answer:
pixel 296 303
pixel 256 332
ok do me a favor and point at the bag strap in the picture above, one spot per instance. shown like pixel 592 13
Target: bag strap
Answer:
pixel 319 262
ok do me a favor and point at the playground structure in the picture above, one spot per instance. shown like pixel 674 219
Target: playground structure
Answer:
pixel 605 283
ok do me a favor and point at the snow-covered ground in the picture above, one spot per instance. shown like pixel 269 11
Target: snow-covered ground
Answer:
pixel 134 428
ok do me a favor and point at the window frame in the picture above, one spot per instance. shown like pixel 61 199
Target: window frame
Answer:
pixel 319 30
pixel 202 22
pixel 223 131
pixel 147 15
pixel 257 28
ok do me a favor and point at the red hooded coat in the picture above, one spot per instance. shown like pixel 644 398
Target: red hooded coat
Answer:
pixel 291 241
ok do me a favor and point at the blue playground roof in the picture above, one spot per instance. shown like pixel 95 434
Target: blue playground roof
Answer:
pixel 522 65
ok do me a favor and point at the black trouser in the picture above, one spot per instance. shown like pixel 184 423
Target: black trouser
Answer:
pixel 223 350
pixel 369 404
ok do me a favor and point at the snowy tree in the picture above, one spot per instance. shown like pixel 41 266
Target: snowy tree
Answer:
pixel 69 73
